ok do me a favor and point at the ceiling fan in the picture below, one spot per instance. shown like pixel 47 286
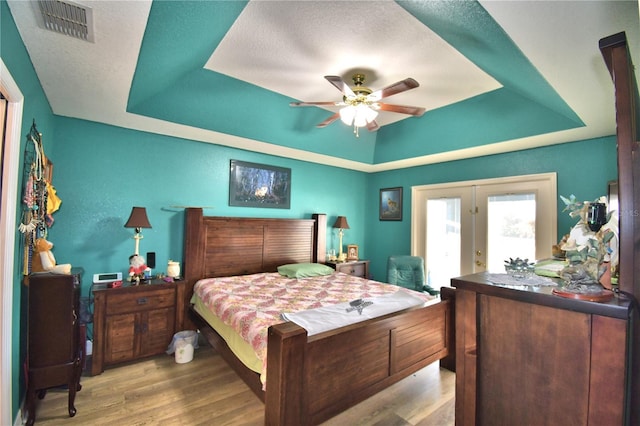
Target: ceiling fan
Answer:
pixel 361 104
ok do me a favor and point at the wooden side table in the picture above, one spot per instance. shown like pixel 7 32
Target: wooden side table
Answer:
pixel 357 268
pixel 133 322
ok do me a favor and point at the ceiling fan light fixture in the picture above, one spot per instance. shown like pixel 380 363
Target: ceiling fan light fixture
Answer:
pixel 366 113
pixel 347 114
pixel 361 105
pixel 359 115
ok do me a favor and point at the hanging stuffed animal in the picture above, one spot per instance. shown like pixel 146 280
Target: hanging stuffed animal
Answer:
pixel 53 203
pixel 44 261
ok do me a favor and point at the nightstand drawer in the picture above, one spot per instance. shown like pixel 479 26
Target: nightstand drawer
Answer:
pixel 134 302
pixel 357 270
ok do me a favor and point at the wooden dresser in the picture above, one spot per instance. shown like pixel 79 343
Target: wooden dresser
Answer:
pixel 133 322
pixel 55 340
pixel 526 357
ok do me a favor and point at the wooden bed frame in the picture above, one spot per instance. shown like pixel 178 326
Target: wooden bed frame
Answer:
pixel 310 379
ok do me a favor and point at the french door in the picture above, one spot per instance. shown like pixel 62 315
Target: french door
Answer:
pixel 466 227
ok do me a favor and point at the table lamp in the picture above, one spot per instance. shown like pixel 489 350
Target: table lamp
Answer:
pixel 341 224
pixel 138 220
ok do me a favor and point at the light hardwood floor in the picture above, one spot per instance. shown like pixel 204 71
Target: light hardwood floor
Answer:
pixel 205 391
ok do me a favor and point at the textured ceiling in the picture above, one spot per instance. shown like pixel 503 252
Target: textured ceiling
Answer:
pixel 494 76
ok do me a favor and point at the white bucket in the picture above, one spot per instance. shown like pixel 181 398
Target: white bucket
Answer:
pixel 184 351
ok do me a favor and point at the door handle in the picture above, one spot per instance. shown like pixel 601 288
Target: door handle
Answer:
pixel 478 263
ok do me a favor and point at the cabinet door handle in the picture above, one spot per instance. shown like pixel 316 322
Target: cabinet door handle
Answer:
pixel 142 300
pixel 141 328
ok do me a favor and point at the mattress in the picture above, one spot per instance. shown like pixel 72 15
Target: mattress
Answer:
pixel 242 308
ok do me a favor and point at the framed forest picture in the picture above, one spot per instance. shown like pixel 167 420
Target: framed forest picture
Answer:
pixel 259 185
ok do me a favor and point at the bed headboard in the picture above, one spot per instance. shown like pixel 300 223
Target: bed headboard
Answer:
pixel 223 246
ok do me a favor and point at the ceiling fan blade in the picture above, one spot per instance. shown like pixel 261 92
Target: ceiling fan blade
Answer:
pixel 296 104
pixel 402 109
pixel 329 120
pixel 372 126
pixel 395 88
pixel 340 84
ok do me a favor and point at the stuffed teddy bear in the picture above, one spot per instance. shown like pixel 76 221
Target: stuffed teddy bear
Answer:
pixel 137 268
pixel 44 261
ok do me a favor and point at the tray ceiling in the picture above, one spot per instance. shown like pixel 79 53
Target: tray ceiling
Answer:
pixel 494 76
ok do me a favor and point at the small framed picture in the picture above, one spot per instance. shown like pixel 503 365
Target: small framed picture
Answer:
pixel 352 252
pixel 391 203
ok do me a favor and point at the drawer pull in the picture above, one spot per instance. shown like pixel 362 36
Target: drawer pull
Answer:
pixel 142 301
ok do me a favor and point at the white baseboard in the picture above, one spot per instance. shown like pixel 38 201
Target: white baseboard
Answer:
pixel 20 421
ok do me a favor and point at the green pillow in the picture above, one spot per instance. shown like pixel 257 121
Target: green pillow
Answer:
pixel 303 270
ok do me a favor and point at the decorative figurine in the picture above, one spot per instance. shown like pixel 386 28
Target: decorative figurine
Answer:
pixel 137 268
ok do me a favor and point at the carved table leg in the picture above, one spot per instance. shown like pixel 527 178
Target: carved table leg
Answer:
pixel 31 406
pixel 74 382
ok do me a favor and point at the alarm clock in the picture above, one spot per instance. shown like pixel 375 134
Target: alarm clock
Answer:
pixel 107 277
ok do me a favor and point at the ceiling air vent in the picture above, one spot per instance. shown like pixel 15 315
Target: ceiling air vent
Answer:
pixel 67 18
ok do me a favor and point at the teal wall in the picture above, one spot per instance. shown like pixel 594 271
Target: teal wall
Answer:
pixel 36 106
pixel 583 168
pixel 102 171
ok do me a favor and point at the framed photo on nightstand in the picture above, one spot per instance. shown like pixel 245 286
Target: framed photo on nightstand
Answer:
pixel 352 252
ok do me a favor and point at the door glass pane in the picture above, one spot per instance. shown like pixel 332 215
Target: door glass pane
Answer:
pixel 443 241
pixel 511 229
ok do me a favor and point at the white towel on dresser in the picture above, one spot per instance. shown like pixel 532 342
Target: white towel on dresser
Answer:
pixel 326 318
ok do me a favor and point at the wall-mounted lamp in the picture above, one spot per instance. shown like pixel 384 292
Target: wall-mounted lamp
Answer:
pixel 341 224
pixel 138 220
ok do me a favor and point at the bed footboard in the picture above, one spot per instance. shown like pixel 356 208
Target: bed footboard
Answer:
pixel 311 379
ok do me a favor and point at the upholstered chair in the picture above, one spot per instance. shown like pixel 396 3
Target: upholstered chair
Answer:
pixel 408 272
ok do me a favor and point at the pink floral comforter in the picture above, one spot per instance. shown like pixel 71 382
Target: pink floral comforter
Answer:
pixel 252 303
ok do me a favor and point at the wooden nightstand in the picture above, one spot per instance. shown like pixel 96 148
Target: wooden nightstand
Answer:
pixel 132 322
pixel 357 268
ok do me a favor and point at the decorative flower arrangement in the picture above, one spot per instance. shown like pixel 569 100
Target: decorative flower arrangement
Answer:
pixel 519 268
pixel 591 242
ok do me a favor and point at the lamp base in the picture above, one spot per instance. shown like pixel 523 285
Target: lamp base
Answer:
pixel 137 237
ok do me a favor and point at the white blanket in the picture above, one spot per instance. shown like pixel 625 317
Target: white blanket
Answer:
pixel 326 318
